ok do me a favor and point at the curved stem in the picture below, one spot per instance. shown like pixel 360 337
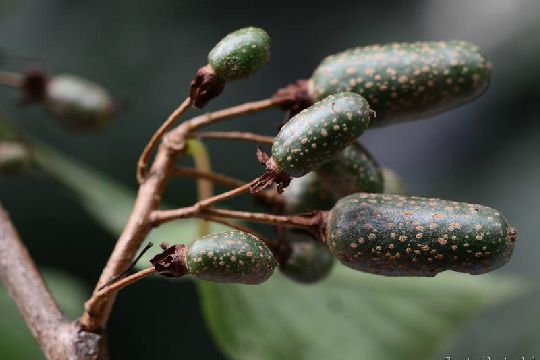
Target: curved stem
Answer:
pixel 225 195
pixel 308 221
pixel 118 285
pixel 141 164
pixel 239 227
pixel 212 176
pixel 200 121
pixel 234 135
pixel 267 196
pixel 11 79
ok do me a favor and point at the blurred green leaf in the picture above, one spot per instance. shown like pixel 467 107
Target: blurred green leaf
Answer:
pixel 348 316
pixel 109 202
pixel 16 341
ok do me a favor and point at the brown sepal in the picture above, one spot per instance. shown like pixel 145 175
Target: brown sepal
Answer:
pixel 171 262
pixel 205 86
pixel 273 174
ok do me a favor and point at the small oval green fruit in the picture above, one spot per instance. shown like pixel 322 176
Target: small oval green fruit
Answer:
pixel 317 134
pixel 405 81
pixel 309 261
pixel 353 170
pixel 410 236
pixel 240 53
pixel 79 103
pixel 14 157
pixel 307 193
pixel 230 257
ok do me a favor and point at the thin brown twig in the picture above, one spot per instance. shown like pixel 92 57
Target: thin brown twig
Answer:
pixel 184 130
pixel 310 221
pixel 141 164
pixel 307 221
pixel 234 135
pixel 118 285
pixel 225 195
pixel 238 227
pixel 267 196
pixel 212 176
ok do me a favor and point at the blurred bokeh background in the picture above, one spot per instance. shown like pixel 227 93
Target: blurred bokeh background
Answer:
pixel 146 52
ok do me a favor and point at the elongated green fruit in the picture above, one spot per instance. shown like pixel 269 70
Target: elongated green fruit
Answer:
pixel 79 103
pixel 230 257
pixel 353 170
pixel 405 81
pixel 308 261
pixel 240 54
pixel 307 193
pixel 319 133
pixel 410 236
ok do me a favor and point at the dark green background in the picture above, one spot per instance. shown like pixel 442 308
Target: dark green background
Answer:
pixel 146 52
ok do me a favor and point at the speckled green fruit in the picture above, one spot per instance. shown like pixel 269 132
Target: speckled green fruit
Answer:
pixel 14 157
pixel 409 236
pixel 353 170
pixel 308 262
pixel 79 103
pixel 406 81
pixel 240 54
pixel 307 193
pixel 230 257
pixel 319 133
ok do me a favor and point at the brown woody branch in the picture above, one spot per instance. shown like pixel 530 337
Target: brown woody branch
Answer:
pixel 57 337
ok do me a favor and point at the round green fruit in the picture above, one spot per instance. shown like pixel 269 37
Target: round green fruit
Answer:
pixel 409 236
pixel 308 261
pixel 353 170
pixel 240 53
pixel 307 193
pixel 405 81
pixel 319 133
pixel 230 257
pixel 79 103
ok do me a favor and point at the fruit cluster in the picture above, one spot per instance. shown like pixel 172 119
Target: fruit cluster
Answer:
pixel 369 225
pixel 368 222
